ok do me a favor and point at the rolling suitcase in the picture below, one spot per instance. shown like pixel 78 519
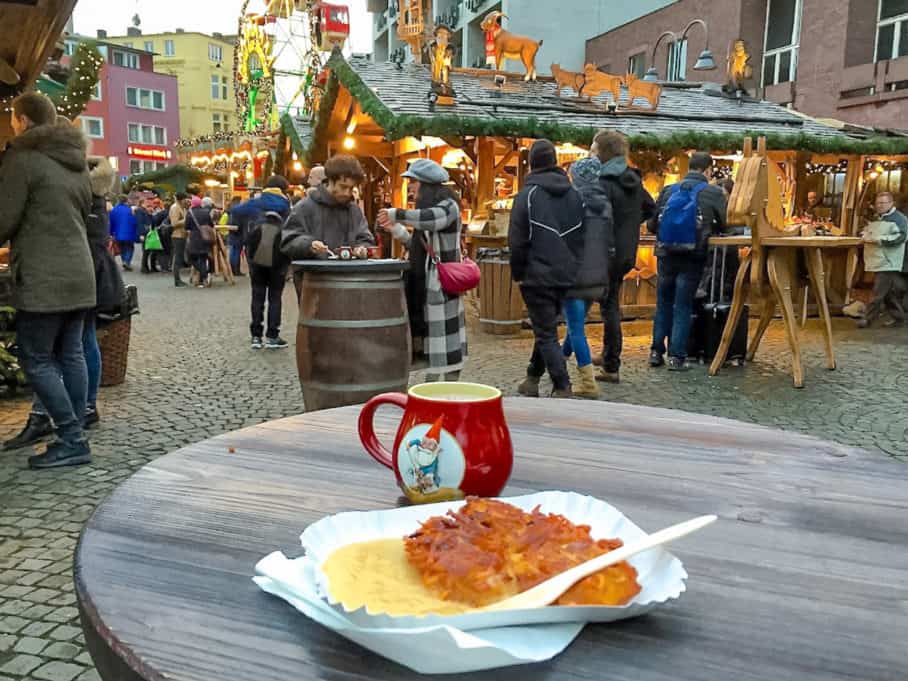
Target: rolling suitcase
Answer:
pixel 714 315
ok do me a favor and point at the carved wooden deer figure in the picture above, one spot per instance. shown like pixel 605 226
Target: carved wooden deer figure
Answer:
pixel 651 92
pixel 598 82
pixel 570 79
pixel 510 46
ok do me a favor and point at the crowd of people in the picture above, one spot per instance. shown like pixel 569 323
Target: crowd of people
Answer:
pixel 573 238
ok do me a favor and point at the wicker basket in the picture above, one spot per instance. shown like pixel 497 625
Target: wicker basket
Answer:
pixel 113 340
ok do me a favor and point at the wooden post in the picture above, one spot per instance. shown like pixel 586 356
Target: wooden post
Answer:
pixel 523 167
pixel 398 191
pixel 485 189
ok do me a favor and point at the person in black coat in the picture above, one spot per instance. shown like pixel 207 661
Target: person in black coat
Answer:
pixel 546 238
pixel 680 272
pixel 631 207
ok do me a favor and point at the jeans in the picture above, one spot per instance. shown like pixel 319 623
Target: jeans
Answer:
pixel 92 352
pixel 200 262
pixel 543 305
pixel 179 257
pixel 679 278
pixel 266 282
pixel 888 294
pixel 50 348
pixel 612 339
pixel 127 248
pixel 575 311
pixel 236 251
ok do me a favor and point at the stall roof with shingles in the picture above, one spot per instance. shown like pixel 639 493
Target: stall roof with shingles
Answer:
pixel 689 115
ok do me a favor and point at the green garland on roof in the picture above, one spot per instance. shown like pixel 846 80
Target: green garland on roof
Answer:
pixel 447 124
pixel 85 70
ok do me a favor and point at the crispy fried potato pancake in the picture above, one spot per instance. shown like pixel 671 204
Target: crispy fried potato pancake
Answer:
pixel 489 550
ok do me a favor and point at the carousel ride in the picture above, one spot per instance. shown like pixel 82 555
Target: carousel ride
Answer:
pixel 279 58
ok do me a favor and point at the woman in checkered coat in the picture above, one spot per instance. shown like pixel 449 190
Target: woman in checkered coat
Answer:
pixel 436 229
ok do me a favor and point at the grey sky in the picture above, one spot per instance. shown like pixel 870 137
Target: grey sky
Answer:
pixel 205 16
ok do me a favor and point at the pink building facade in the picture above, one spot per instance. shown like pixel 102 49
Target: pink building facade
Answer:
pixel 133 117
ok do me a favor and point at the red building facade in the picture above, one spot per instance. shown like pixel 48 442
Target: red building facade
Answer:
pixel 133 117
pixel 842 59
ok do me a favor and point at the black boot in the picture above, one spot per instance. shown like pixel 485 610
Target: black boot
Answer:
pixel 36 429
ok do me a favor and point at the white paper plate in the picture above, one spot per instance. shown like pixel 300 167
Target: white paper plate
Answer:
pixel 660 574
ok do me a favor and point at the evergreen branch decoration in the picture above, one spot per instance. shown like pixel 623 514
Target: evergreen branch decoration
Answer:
pixel 85 71
pixel 449 124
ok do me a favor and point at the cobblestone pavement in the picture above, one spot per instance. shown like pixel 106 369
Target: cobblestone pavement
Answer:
pixel 193 376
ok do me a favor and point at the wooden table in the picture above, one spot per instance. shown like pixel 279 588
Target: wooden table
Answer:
pixel 774 269
pixel 803 578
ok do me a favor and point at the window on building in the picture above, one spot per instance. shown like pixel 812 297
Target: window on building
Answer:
pixel 126 59
pixel 149 45
pixel 93 127
pixel 215 87
pixel 677 60
pixel 69 48
pixel 169 49
pixel 135 167
pixel 145 99
pixel 96 92
pixel 783 37
pixel 224 88
pixel 129 45
pixel 892 30
pixel 215 52
pixel 637 64
pixel 146 134
pixel 216 122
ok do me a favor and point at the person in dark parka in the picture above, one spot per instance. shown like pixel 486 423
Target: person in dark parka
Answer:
pixel 546 238
pixel 45 203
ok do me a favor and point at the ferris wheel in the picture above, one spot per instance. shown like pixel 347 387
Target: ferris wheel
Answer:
pixel 281 49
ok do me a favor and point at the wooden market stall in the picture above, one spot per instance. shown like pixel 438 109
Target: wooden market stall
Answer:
pixel 388 114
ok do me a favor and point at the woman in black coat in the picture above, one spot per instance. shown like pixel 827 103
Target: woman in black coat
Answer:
pixel 199 249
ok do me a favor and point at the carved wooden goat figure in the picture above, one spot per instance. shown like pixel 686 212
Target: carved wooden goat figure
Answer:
pixel 510 46
pixel 597 82
pixel 564 79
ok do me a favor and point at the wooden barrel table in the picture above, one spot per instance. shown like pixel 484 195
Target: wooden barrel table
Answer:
pixel 353 340
pixel 501 306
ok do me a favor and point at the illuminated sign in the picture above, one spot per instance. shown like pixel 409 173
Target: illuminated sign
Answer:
pixel 155 153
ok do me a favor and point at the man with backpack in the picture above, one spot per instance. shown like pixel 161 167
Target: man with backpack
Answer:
pixel 631 206
pixel 687 214
pixel 266 217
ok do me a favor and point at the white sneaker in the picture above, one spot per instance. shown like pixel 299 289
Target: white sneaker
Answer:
pixel 257 343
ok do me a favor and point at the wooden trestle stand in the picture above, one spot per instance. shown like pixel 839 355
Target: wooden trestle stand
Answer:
pixel 772 262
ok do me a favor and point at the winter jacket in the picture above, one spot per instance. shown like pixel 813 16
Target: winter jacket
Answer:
pixel 144 222
pixel 194 218
pixel 123 224
pixel 320 218
pixel 546 235
pixel 44 204
pixel 713 206
pixel 178 221
pixel 273 207
pixel 884 245
pixel 108 280
pixel 631 207
pixel 901 222
pixel 593 265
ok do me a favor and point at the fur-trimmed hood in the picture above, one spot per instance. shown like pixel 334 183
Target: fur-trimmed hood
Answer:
pixel 102 175
pixel 63 143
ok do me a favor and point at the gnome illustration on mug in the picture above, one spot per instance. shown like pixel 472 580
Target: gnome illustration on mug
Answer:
pixel 424 455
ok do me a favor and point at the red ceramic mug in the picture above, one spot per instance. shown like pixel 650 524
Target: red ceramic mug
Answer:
pixel 453 441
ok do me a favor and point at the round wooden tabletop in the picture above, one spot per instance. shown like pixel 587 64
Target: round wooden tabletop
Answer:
pixel 802 578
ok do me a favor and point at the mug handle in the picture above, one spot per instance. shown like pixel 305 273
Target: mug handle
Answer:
pixel 367 426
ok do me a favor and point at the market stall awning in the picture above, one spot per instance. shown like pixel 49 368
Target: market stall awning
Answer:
pixel 300 131
pixel 689 115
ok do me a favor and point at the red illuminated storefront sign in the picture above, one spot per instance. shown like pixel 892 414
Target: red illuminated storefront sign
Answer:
pixel 152 153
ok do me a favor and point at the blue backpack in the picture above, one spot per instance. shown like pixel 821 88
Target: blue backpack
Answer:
pixel 679 223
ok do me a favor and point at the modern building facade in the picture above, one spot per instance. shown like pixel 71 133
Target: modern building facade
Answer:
pixel 563 26
pixel 133 117
pixel 203 65
pixel 841 59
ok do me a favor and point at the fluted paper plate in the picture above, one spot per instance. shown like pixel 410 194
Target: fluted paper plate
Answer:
pixel 660 574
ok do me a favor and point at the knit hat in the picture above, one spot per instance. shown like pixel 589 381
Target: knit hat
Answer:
pixel 207 202
pixel 425 170
pixel 316 176
pixel 543 155
pixel 585 172
pixel 196 202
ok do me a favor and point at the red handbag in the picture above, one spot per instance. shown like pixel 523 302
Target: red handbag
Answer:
pixel 456 277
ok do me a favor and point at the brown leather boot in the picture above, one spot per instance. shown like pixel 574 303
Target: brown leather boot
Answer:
pixel 529 387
